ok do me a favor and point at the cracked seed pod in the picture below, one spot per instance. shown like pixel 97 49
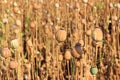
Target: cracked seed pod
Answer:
pixel 97 34
pixel 13 64
pixel 61 35
pixel 75 53
pixel 77 50
pixel 68 55
pixel 6 52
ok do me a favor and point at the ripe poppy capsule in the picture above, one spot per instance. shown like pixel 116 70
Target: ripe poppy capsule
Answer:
pixel 18 23
pixel 61 35
pixel 97 34
pixel 13 64
pixel 60 57
pixel 6 52
pixel 68 55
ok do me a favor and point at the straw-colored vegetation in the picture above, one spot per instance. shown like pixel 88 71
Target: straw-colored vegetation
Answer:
pixel 59 39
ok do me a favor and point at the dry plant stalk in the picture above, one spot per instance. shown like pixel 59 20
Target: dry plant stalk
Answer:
pixel 59 39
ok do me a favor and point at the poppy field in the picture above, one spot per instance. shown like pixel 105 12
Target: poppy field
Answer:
pixel 59 39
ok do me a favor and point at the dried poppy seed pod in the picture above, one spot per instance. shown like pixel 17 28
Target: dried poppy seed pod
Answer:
pixel 77 50
pixel 14 43
pixel 85 1
pixel 75 53
pixel 77 63
pixel 88 32
pixel 60 57
pixel 13 64
pixel 32 24
pixel 6 52
pixel 68 55
pixel 18 23
pixel 35 6
pixel 61 35
pixel 57 5
pixel 97 34
pixel 15 4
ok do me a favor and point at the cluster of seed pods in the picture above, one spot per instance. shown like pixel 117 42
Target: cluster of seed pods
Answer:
pixel 59 40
